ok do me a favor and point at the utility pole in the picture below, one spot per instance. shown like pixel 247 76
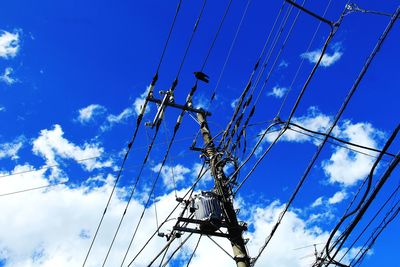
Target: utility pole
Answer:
pixel 223 190
pixel 215 208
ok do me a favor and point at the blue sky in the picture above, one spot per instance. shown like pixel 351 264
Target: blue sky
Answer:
pixel 73 75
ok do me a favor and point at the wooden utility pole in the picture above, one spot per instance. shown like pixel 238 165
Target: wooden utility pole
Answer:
pixel 235 230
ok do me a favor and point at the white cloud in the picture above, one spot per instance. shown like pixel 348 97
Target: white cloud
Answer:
pixel 6 76
pixel 327 59
pixel 2 109
pixel 283 64
pixel 121 117
pixel 88 113
pixel 171 175
pixel 313 120
pixel 127 113
pixel 9 44
pixel 344 166
pixel 318 202
pixel 347 167
pixel 139 102
pixel 197 167
pixel 278 92
pixel 52 145
pixel 279 252
pixel 10 150
pixel 201 101
pixel 337 197
pixel 57 224
pixel 234 103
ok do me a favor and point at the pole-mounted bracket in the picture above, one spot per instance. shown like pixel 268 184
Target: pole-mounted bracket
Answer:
pixel 178 106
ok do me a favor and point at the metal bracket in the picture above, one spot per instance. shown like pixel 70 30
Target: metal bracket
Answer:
pixel 178 106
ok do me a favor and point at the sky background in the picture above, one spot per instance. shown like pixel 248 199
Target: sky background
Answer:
pixel 73 75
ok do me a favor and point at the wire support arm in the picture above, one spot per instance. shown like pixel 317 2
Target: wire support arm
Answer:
pixel 302 8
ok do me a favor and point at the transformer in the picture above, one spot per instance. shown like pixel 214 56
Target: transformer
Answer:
pixel 207 208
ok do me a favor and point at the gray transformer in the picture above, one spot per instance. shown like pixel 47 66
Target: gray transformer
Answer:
pixel 207 208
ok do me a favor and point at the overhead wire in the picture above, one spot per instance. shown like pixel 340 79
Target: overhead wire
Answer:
pixel 300 96
pixel 302 62
pixel 335 143
pixel 250 80
pixel 138 122
pixel 189 192
pixel 158 123
pixel 239 27
pixel 45 167
pixel 389 217
pixel 363 71
pixel 179 121
pixel 343 237
pixel 393 194
pixel 175 251
pixel 340 140
pixel 136 182
pixel 164 255
pixel 221 23
pixel 260 74
pixel 194 251
pixel 218 245
pixel 252 110
pixel 327 248
pixel 334 29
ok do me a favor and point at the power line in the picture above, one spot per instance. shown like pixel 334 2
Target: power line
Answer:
pixel 302 61
pixel 252 111
pixel 265 63
pixel 339 140
pixel 229 53
pixel 202 172
pixel 194 251
pixel 336 119
pixel 389 217
pixel 370 222
pixel 134 188
pixel 177 125
pixel 84 159
pixel 32 189
pixel 377 47
pixel 250 80
pixel 361 212
pixel 138 122
pixel 169 35
pixel 363 200
pixel 216 35
pixel 300 96
pixel 158 123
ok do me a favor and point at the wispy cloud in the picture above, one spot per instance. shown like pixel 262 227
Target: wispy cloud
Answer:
pixel 10 150
pixel 328 59
pixel 6 76
pixel 9 43
pixel 127 113
pixel 283 64
pixel 337 197
pixel 171 175
pixel 89 113
pixel 278 92
pixel 234 103
pixel 52 145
